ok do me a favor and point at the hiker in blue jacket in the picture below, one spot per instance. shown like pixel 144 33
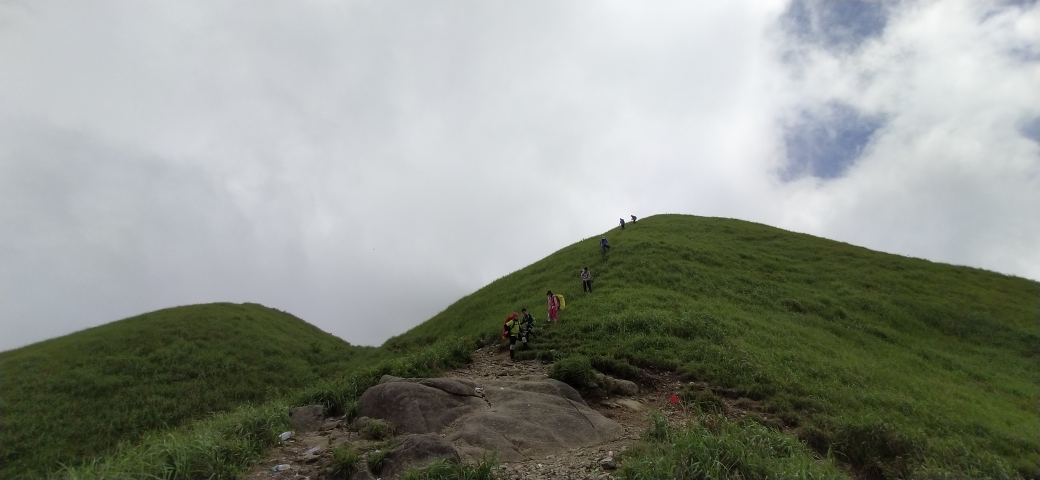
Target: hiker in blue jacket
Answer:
pixel 603 245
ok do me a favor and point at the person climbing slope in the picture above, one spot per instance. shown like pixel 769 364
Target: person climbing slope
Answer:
pixel 586 280
pixel 603 245
pixel 633 218
pixel 553 305
pixel 511 330
pixel 526 327
pixel 622 223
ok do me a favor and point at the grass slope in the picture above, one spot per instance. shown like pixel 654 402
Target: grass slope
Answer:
pixel 895 366
pixel 78 396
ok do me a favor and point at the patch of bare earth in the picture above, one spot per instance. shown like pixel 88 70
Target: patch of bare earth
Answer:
pixel 308 455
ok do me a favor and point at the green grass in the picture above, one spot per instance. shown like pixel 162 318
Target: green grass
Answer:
pixel 445 470
pixel 880 364
pixel 897 366
pixel 719 448
pixel 222 446
pixel 81 395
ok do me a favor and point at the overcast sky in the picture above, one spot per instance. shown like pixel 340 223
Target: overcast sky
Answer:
pixel 364 164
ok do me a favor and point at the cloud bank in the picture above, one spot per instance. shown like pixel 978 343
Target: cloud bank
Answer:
pixel 363 165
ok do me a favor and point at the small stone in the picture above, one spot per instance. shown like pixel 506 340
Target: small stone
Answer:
pixel 608 463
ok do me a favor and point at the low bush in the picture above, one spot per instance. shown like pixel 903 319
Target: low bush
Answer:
pixel 344 462
pixel 701 399
pixel 575 371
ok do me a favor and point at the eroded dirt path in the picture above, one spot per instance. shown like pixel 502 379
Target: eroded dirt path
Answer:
pixel 491 363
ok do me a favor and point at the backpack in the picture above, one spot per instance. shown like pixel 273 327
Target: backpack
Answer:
pixel 563 303
pixel 505 325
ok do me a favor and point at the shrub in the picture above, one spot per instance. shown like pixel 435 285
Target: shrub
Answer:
pixel 575 371
pixel 344 462
pixel 702 399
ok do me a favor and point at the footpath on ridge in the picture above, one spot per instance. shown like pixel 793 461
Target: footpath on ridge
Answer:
pixel 492 373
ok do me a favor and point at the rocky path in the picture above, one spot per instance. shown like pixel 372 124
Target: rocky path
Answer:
pixel 308 455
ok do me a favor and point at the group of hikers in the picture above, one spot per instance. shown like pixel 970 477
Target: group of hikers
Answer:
pixel 520 326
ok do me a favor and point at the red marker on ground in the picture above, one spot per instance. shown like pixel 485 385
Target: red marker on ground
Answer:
pixel 674 399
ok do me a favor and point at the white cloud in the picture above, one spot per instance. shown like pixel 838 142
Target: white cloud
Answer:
pixel 362 165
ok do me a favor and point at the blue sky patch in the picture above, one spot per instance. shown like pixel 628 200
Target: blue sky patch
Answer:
pixel 827 142
pixel 836 25
pixel 1030 129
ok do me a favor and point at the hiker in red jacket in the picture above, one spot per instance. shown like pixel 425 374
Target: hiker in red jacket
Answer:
pixel 554 305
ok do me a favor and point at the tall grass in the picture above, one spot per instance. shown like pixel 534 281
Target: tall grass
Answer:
pixel 83 394
pixel 716 447
pixel 895 365
pixel 223 445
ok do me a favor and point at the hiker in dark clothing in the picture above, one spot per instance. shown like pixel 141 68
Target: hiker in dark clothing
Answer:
pixel 511 330
pixel 526 327
pixel 633 218
pixel 603 245
pixel 622 223
pixel 586 280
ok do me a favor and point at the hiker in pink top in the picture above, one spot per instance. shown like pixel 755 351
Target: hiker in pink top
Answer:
pixel 554 305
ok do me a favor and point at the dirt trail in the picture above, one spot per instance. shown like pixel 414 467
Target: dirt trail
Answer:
pixel 491 363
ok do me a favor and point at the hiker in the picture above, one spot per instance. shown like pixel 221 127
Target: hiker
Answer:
pixel 633 218
pixel 511 329
pixel 603 245
pixel 554 305
pixel 526 327
pixel 586 280
pixel 622 223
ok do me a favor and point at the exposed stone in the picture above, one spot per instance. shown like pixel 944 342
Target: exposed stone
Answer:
pixel 418 408
pixel 417 451
pixel 630 404
pixel 306 419
pixel 626 387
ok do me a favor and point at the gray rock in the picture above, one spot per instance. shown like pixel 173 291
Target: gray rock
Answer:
pixel 417 451
pixel 608 463
pixel 306 419
pixel 626 388
pixel 417 408
pixel 519 418
pixel 389 378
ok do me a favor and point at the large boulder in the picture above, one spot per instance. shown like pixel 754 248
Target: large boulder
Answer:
pixel 420 406
pixel 417 451
pixel 515 418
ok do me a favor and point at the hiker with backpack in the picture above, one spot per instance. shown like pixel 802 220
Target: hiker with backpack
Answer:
pixel 633 218
pixel 586 280
pixel 511 330
pixel 603 245
pixel 526 327
pixel 554 305
pixel 622 223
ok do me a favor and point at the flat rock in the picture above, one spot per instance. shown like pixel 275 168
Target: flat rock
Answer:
pixel 306 419
pixel 518 418
pixel 630 404
pixel 417 451
pixel 416 408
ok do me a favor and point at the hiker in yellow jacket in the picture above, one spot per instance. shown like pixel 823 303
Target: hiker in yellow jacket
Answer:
pixel 511 329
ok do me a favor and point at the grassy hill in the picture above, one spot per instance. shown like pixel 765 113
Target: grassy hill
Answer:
pixel 894 366
pixel 890 366
pixel 78 396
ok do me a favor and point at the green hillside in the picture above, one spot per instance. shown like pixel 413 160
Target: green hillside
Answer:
pixel 894 366
pixel 78 396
